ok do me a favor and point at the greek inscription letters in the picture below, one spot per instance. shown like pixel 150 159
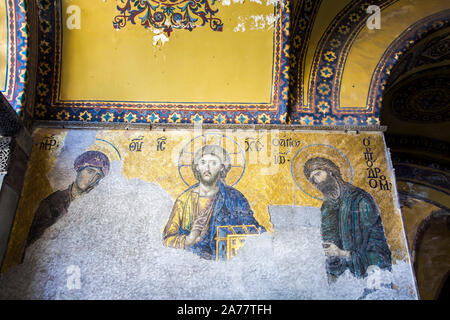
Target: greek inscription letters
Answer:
pixel 281 158
pixel 253 144
pixel 384 184
pixel 161 143
pixel 374 175
pixel 48 143
pixel 136 144
pixel 368 155
pixel 286 142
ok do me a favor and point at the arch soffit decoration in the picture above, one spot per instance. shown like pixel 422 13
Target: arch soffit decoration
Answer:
pixel 324 101
pixel 416 95
pixel 431 52
pixel 398 47
pixel 16 53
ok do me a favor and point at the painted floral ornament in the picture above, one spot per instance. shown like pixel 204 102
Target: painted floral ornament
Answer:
pixel 168 14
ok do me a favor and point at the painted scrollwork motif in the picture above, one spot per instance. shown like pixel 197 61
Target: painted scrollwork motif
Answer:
pixel 168 14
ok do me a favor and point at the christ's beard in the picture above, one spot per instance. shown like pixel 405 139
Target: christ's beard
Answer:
pixel 330 188
pixel 209 180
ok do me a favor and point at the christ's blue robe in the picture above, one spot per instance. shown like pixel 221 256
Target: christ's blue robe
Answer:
pixel 230 208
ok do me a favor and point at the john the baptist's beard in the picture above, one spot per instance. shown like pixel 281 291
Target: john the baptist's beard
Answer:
pixel 330 187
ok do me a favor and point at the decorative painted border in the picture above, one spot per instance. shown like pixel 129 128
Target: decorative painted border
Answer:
pixel 303 14
pixel 17 53
pixel 49 108
pixel 398 47
pixel 323 106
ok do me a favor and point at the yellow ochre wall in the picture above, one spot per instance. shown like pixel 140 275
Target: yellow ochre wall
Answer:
pixel 100 63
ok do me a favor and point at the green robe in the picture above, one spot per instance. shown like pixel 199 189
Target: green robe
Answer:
pixel 353 223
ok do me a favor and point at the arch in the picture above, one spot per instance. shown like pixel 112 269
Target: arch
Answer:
pixel 422 228
pixel 333 62
pixel 399 46
pixel 430 253
pixel 331 57
pixel 324 74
